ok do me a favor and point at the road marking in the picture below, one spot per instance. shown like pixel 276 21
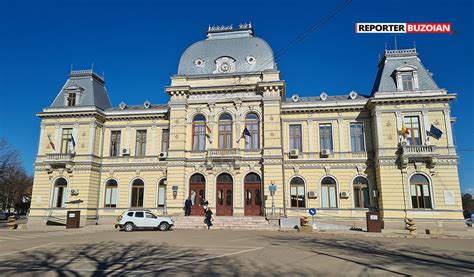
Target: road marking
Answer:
pixel 27 249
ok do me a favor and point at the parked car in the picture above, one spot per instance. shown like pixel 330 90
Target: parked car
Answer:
pixel 469 221
pixel 134 219
pixel 6 215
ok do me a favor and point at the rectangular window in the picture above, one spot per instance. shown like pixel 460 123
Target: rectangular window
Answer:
pixel 325 136
pixel 161 196
pixel 412 123
pixel 115 143
pixel 297 196
pixel 71 99
pixel 199 136
pixel 111 197
pixel 328 197
pixel 140 143
pixel 407 81
pixel 357 137
pixel 165 140
pixel 59 196
pixel 137 196
pixel 225 135
pixel 296 137
pixel 65 140
pixel 420 196
pixel 253 141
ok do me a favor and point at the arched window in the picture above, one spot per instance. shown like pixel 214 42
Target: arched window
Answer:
pixel 138 191
pixel 161 193
pixel 420 192
pixel 297 193
pixel 252 178
pixel 110 200
pixel 225 131
pixel 199 132
pixel 361 192
pixel 328 193
pixel 252 125
pixel 224 178
pixel 59 193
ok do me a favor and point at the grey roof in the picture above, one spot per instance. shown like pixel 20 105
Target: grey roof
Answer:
pixel 238 44
pixel 93 90
pixel 393 59
pixel 336 98
pixel 140 107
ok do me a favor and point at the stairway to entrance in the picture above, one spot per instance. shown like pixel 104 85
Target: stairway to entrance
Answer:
pixel 225 222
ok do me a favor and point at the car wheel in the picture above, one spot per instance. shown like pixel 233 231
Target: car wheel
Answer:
pixel 128 227
pixel 163 226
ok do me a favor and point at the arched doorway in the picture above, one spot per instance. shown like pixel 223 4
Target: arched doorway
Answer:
pixel 224 195
pixel 197 192
pixel 253 195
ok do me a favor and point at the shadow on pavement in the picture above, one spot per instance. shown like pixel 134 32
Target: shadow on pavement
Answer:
pixel 388 257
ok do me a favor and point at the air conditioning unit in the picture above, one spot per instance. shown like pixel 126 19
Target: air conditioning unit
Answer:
pixel 312 194
pixel 325 153
pixel 165 182
pixel 163 155
pixel 294 153
pixel 74 192
pixel 125 152
pixel 344 194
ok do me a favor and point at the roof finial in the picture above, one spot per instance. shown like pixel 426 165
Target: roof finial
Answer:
pixel 385 46
pixel 71 68
pixel 414 45
pixel 92 67
pixel 395 39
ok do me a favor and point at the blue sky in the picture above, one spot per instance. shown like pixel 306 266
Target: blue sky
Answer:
pixel 138 45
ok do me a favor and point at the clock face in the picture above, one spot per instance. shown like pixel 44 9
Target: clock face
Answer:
pixel 225 67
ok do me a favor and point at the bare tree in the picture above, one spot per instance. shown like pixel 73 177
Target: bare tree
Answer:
pixel 15 184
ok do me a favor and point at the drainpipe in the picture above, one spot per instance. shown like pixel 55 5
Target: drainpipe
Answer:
pixel 283 162
pixel 101 152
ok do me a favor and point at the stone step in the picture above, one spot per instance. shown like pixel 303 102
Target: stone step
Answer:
pixel 224 222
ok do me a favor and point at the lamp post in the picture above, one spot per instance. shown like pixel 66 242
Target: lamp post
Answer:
pixel 272 189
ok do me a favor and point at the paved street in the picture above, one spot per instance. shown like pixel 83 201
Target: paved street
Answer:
pixel 100 250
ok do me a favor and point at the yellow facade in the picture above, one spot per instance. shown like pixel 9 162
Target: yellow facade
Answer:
pixel 385 160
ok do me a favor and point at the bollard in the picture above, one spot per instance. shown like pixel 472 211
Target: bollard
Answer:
pixel 12 222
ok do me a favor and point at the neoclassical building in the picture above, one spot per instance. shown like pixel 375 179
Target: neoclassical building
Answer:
pixel 230 130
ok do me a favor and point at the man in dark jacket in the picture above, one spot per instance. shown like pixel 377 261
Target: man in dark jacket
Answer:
pixel 187 206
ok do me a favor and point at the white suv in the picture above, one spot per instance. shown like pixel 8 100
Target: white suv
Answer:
pixel 141 219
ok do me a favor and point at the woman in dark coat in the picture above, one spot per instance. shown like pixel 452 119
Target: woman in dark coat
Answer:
pixel 208 218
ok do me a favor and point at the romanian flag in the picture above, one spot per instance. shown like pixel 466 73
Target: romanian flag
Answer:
pixel 51 143
pixel 405 131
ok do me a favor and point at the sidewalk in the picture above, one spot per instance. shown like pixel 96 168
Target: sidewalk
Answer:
pixel 468 234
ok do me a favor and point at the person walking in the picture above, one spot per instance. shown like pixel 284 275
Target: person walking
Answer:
pixel 209 218
pixel 187 206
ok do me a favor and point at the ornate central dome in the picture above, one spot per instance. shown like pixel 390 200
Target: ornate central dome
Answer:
pixel 225 51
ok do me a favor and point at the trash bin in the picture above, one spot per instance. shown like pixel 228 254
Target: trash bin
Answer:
pixel 374 222
pixel 73 219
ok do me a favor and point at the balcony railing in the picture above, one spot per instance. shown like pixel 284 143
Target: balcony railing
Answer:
pixel 60 157
pixel 419 150
pixel 223 153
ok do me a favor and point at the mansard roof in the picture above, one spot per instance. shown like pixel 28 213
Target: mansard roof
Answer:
pixel 240 46
pixel 396 59
pixel 90 85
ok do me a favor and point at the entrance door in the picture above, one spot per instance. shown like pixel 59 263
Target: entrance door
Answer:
pixel 197 192
pixel 224 195
pixel 253 195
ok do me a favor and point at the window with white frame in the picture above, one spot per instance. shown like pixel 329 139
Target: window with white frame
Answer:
pixel 252 125
pixel 115 137
pixel 59 193
pixel 165 140
pixel 71 99
pixel 140 149
pixel 297 193
pixel 406 78
pixel 199 132
pixel 412 123
pixel 407 81
pixel 110 200
pixel 420 192
pixel 296 137
pixel 325 136
pixel 357 136
pixel 328 193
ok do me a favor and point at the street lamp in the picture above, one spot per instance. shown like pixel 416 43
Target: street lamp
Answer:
pixel 272 188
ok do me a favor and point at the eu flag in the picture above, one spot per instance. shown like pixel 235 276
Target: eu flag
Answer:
pixel 435 132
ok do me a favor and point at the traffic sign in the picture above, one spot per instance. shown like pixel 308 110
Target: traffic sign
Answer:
pixel 312 211
pixel 272 188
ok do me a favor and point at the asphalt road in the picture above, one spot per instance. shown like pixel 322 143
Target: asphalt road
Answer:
pixel 95 251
